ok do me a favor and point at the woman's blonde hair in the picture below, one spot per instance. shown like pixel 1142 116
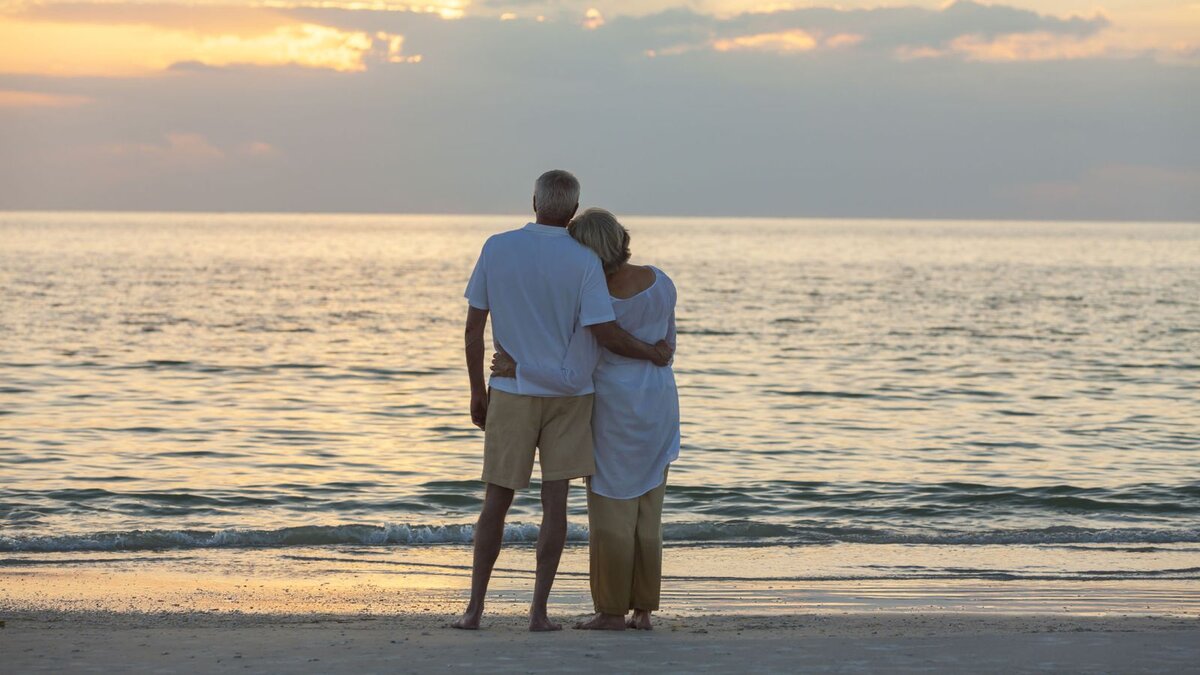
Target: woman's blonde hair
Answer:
pixel 599 230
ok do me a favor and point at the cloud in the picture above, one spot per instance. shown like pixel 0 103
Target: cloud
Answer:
pixel 963 28
pixel 794 40
pixel 445 9
pixel 843 40
pixel 116 41
pixel 228 19
pixel 257 149
pixel 593 19
pixel 174 151
pixel 819 118
pixel 120 39
pixel 1129 192
pixel 216 14
pixel 1028 47
pixel 789 41
pixel 177 148
pixel 36 99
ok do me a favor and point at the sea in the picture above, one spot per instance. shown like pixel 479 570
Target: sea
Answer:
pixel 937 399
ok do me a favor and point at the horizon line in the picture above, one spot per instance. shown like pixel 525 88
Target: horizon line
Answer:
pixel 941 218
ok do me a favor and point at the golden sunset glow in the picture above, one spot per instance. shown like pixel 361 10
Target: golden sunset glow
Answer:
pixel 35 99
pixel 593 19
pixel 1027 47
pixel 843 40
pixel 81 49
pixel 179 147
pixel 119 38
pixel 787 41
pixel 449 9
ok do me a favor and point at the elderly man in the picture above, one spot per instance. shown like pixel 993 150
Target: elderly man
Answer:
pixel 540 286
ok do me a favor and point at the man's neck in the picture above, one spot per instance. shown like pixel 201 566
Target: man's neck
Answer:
pixel 550 223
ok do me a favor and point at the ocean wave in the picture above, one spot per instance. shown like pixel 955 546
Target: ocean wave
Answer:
pixel 868 502
pixel 732 533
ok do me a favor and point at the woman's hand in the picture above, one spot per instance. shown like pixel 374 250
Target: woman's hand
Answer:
pixel 503 365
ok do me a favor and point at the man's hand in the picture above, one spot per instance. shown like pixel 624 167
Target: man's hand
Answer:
pixel 503 365
pixel 664 352
pixel 479 406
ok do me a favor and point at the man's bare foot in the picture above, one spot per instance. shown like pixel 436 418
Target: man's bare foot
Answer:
pixel 602 621
pixel 640 620
pixel 542 624
pixel 469 620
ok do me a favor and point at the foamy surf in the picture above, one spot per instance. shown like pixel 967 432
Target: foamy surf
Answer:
pixel 732 533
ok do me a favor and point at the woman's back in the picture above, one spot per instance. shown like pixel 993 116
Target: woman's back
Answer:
pixel 644 304
pixel 630 280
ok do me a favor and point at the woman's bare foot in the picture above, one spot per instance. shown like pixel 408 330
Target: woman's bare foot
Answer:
pixel 469 620
pixel 640 620
pixel 602 621
pixel 542 624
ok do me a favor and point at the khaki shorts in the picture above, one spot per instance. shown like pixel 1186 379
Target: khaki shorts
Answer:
pixel 560 428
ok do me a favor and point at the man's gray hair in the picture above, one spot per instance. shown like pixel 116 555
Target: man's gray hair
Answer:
pixel 556 194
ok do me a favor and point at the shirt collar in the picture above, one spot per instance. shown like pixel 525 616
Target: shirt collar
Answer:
pixel 551 230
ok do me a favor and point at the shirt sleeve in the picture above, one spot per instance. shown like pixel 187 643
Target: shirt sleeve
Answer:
pixel 476 293
pixel 569 377
pixel 595 305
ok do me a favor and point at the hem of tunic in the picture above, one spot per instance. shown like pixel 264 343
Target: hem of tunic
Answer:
pixel 674 456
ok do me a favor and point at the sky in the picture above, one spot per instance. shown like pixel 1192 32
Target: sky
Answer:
pixel 1022 109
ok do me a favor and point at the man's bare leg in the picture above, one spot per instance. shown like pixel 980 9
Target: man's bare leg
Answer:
pixel 640 620
pixel 551 537
pixel 489 534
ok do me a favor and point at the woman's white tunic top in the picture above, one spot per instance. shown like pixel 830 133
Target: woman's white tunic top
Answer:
pixel 635 418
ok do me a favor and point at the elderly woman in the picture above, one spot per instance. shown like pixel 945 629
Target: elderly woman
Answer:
pixel 635 428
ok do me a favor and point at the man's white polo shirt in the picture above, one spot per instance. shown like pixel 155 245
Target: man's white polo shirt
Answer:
pixel 541 286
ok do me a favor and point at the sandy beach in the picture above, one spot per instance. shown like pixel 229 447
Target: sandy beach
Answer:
pixel 67 642
pixel 332 611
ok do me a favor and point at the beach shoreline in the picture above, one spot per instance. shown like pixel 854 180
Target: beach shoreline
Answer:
pixel 698 581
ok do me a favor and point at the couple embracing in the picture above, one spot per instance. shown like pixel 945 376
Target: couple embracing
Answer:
pixel 582 373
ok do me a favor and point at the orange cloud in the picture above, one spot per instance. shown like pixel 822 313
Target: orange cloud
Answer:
pixel 795 40
pixel 593 19
pixel 1038 46
pixel 116 50
pixel 240 20
pixel 786 41
pixel 843 40
pixel 447 9
pixel 257 149
pixel 182 150
pixel 908 53
pixel 37 99
pixel 1124 190
pixel 178 148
